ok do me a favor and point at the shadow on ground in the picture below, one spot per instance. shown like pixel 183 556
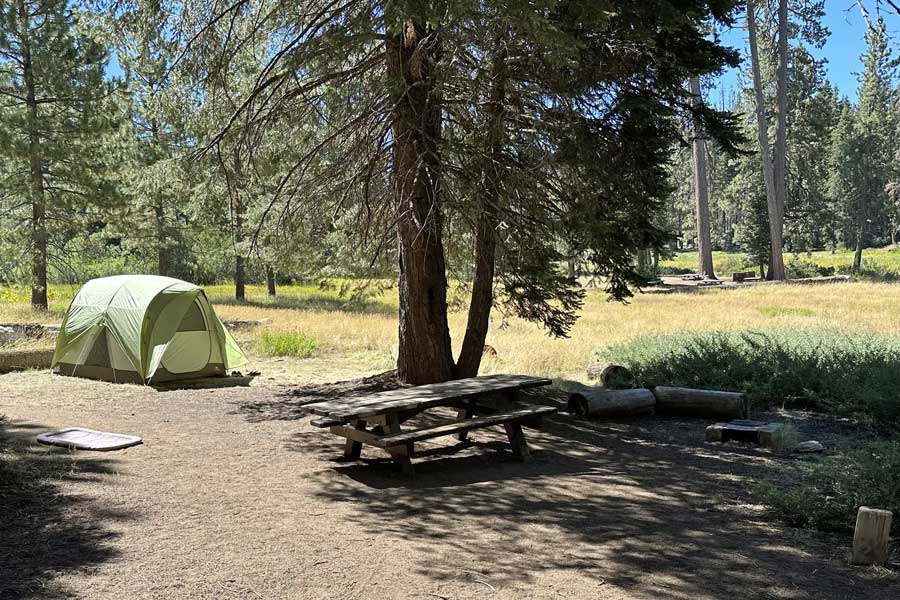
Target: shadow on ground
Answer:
pixel 642 504
pixel 46 532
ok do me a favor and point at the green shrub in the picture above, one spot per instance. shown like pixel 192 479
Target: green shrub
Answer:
pixel 286 343
pixel 826 494
pixel 854 375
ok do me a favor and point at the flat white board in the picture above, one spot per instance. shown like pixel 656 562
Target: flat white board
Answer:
pixel 79 438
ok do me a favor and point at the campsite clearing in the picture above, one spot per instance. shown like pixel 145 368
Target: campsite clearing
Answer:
pixel 233 495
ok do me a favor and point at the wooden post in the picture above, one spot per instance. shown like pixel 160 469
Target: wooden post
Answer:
pixel 870 540
pixel 517 441
pixel 353 448
pixel 402 455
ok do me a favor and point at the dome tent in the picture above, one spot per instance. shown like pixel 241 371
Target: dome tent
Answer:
pixel 143 328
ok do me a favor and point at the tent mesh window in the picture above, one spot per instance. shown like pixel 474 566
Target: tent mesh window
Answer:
pixel 193 319
pixel 99 354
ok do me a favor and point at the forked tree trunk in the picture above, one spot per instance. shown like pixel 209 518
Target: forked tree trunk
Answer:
pixel 701 188
pixel 270 280
pixel 776 270
pixel 424 354
pixel 775 226
pixel 488 195
pixel 36 174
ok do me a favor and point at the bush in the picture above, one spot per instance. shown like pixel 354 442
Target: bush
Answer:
pixel 286 343
pixel 828 493
pixel 853 375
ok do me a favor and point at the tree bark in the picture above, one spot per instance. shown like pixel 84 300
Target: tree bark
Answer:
pixel 860 237
pixel 240 275
pixel 162 250
pixel 36 174
pixel 700 403
pixel 775 226
pixel 270 280
pixel 701 188
pixel 488 195
pixel 776 269
pixel 587 401
pixel 424 353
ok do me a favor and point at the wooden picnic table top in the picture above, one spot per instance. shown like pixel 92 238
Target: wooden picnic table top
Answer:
pixel 422 397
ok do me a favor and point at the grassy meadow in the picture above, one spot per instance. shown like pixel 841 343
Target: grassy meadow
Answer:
pixel 313 323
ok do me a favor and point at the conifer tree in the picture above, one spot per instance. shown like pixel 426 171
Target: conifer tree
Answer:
pixel 52 119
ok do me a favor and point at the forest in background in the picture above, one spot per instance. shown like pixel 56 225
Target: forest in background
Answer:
pixel 130 122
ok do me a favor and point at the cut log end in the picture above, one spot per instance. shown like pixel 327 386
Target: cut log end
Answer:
pixel 870 539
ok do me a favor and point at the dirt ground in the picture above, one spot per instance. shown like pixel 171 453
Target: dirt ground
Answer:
pixel 235 495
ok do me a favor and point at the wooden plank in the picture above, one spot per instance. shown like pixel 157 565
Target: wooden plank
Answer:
pixel 359 435
pixel 426 396
pixel 467 425
pixel 325 422
pixel 870 539
pixel 484 384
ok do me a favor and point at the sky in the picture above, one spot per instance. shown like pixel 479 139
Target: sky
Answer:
pixel 842 50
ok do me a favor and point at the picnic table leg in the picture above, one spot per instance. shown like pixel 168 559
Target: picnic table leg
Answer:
pixel 517 441
pixel 352 448
pixel 466 412
pixel 402 455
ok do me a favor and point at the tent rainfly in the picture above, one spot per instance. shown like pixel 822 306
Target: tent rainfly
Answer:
pixel 143 328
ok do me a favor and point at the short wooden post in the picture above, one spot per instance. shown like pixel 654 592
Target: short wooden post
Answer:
pixel 870 540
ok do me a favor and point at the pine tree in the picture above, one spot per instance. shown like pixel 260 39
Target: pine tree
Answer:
pixel 52 118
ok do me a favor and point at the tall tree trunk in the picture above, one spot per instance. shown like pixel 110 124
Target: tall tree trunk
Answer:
pixel 240 275
pixel 36 174
pixel 860 234
pixel 424 354
pixel 162 250
pixel 159 212
pixel 488 194
pixel 775 224
pixel 701 188
pixel 780 165
pixel 270 280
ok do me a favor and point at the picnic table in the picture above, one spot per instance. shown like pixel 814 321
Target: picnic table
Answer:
pixel 486 401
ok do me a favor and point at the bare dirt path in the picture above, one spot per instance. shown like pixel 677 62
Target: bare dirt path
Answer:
pixel 233 496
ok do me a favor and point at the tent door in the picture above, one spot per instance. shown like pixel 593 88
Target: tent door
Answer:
pixel 191 346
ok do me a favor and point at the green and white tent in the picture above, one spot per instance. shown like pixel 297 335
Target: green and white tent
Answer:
pixel 142 329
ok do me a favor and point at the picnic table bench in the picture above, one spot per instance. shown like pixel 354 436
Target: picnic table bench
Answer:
pixel 376 419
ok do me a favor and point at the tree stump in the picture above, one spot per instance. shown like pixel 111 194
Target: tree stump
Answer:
pixel 870 539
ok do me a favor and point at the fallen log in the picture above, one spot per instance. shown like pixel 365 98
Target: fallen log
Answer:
pixel 587 401
pixel 700 403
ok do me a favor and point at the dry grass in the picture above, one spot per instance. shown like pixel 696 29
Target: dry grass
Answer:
pixel 366 336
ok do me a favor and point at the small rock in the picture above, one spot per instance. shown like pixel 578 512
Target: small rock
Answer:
pixel 810 446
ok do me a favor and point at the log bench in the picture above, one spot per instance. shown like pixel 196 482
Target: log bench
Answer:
pixel 480 402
